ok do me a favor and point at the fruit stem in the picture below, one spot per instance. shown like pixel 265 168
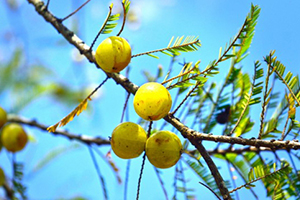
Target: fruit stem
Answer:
pixel 149 129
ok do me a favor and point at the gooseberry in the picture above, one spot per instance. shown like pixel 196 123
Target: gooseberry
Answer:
pixel 2 177
pixel 13 137
pixel 152 101
pixel 163 149
pixel 128 140
pixel 113 54
pixel 3 117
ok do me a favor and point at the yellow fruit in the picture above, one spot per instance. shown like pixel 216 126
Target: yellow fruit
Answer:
pixel 13 137
pixel 128 140
pixel 3 117
pixel 2 177
pixel 113 54
pixel 152 101
pixel 163 149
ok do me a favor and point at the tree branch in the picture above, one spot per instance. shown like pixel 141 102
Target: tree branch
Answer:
pixel 193 135
pixel 83 138
pixel 83 48
pixel 213 169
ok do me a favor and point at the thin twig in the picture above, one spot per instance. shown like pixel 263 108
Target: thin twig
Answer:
pixel 161 182
pixel 77 110
pixel 262 115
pixel 101 178
pixel 124 18
pixel 257 179
pixel 165 49
pixel 186 97
pixel 108 160
pixel 247 104
pixel 284 128
pixel 47 4
pixel 178 76
pixel 101 29
pixel 210 190
pixel 125 106
pixel 140 177
pixel 74 11
pixel 126 179
pixel 184 181
pixel 143 164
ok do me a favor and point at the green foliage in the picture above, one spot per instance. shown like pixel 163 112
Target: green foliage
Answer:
pixel 241 42
pixel 203 102
pixel 109 23
pixel 180 179
pixel 181 44
pixel 205 175
pixel 126 4
pixel 17 180
pixel 290 81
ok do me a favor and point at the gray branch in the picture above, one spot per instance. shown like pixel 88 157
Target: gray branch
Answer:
pixel 83 138
pixel 194 137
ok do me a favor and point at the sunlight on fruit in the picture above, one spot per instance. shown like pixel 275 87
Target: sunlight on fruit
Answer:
pixel 152 101
pixel 163 149
pixel 128 140
pixel 13 137
pixel 113 54
pixel 2 177
pixel 3 117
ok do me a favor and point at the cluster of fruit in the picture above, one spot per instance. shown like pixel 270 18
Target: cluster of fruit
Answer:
pixel 152 102
pixel 12 137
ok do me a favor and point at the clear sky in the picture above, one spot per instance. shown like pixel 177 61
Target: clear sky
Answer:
pixel 73 173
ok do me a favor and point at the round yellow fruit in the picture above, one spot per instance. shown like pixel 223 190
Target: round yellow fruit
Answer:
pixel 113 54
pixel 152 101
pixel 13 137
pixel 2 177
pixel 3 117
pixel 128 140
pixel 163 149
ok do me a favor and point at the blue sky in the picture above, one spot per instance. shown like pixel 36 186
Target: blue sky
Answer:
pixel 215 22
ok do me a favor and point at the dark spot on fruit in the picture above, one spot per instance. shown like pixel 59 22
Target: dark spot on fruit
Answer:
pixel 158 141
pixel 126 146
pixel 138 104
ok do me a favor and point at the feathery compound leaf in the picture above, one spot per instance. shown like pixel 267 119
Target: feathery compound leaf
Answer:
pixel 108 26
pixel 249 99
pixel 189 44
pixel 241 42
pixel 290 81
pixel 188 73
pixel 247 33
pixel 262 172
pixel 206 176
pixel 126 4
pixel 82 106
